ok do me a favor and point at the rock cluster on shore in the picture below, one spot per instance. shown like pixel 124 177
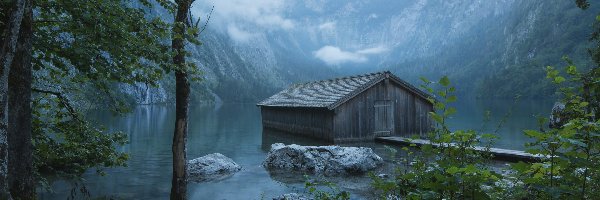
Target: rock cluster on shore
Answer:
pixel 211 167
pixel 327 160
pixel 292 196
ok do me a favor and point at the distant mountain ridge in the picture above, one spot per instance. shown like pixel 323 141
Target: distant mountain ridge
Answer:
pixel 488 48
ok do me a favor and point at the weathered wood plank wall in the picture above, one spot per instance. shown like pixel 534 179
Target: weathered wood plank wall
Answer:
pixel 311 122
pixel 355 119
pixel 411 112
pixel 424 123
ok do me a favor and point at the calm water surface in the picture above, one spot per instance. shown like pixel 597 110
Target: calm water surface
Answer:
pixel 235 131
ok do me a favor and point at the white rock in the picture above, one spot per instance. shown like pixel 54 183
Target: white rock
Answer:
pixel 211 167
pixel 292 196
pixel 558 118
pixel 328 160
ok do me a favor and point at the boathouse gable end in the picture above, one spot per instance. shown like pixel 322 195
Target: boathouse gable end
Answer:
pixel 349 109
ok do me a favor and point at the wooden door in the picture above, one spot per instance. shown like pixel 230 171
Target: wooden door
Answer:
pixel 384 118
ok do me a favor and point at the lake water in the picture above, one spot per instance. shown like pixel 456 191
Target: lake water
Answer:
pixel 235 130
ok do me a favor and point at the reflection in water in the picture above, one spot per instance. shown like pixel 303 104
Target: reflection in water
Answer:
pixel 271 136
pixel 518 116
pixel 236 132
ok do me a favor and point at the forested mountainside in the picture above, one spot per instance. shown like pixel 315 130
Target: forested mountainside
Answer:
pixel 504 53
pixel 489 48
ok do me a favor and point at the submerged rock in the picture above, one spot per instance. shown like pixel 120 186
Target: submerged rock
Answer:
pixel 292 196
pixel 383 176
pixel 328 160
pixel 211 167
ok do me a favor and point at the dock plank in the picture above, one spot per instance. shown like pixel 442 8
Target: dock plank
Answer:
pixel 499 154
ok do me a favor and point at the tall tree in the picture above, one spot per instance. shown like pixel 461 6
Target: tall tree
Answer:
pixel 79 48
pixel 20 151
pixel 182 95
pixel 11 15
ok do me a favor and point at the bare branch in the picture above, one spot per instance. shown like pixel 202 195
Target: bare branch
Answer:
pixel 207 20
pixel 54 21
pixel 63 100
pixel 189 20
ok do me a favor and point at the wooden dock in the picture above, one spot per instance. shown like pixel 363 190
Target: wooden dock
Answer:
pixel 499 154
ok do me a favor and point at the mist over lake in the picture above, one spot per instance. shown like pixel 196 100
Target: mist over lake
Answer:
pixel 287 99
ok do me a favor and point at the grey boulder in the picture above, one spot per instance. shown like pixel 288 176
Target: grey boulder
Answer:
pixel 211 167
pixel 292 196
pixel 558 117
pixel 327 160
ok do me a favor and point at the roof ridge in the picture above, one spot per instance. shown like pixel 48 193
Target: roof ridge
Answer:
pixel 357 90
pixel 330 93
pixel 345 77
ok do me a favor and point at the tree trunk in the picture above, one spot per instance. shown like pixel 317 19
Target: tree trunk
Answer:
pixel 182 96
pixel 20 152
pixel 11 23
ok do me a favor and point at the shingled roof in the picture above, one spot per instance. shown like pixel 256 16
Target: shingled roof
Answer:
pixel 333 92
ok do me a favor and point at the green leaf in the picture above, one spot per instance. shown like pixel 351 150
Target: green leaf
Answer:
pixel 450 111
pixel 451 99
pixel 559 79
pixel 442 94
pixel 488 136
pixel 470 169
pixel 439 105
pixel 436 117
pixel 452 170
pixel 534 134
pixel 571 70
pixel 444 81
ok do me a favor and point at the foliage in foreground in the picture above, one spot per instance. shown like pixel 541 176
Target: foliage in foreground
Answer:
pixel 81 51
pixel 67 146
pixel 324 190
pixel 570 153
pixel 448 168
pixel 571 168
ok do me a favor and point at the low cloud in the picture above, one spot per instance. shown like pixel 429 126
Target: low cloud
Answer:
pixel 268 14
pixel 374 50
pixel 237 34
pixel 335 56
pixel 373 16
pixel 275 20
pixel 327 26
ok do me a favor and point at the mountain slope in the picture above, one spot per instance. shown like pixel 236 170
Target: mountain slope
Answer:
pixel 488 48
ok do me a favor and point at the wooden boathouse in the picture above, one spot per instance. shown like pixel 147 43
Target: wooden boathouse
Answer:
pixel 351 108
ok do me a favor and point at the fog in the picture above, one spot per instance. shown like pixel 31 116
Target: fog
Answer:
pixel 480 45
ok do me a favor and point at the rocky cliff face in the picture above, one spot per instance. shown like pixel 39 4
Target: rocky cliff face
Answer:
pixel 234 71
pixel 488 48
pixel 250 57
